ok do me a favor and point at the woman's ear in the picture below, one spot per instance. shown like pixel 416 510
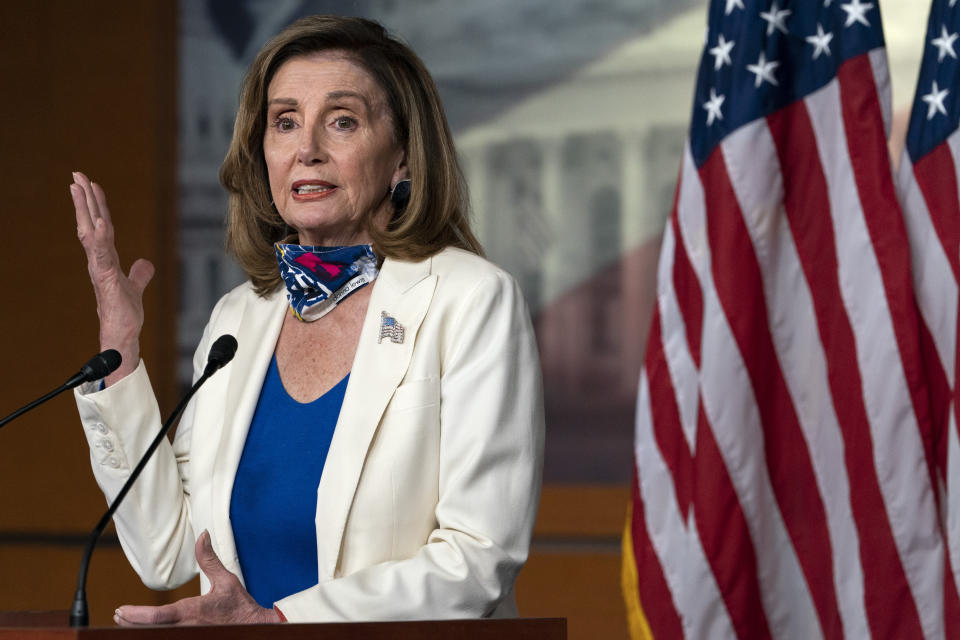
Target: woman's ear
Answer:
pixel 400 185
pixel 401 172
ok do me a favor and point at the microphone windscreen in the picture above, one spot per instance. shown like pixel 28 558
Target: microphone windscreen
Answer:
pixel 221 352
pixel 101 365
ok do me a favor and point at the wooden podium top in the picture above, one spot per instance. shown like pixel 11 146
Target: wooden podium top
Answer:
pixel 52 626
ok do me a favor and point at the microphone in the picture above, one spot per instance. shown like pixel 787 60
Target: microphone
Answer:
pixel 221 352
pixel 99 366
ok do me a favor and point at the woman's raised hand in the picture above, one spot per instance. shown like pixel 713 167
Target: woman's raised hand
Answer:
pixel 119 296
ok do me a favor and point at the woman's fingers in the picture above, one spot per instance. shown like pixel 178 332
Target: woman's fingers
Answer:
pixel 93 225
pixel 119 296
pixel 92 205
pixel 84 223
pixel 141 273
pixel 210 564
pixel 101 200
pixel 133 615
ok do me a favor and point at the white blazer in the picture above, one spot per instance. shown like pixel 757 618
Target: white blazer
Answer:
pixel 429 493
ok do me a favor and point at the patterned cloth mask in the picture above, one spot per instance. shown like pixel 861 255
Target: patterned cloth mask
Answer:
pixel 317 278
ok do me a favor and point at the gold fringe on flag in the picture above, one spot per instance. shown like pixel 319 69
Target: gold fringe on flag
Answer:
pixel 636 620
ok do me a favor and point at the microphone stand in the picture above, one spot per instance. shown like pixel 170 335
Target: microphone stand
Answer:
pixel 100 366
pixel 22 410
pixel 80 612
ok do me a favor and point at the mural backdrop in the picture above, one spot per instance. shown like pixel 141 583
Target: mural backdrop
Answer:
pixel 570 119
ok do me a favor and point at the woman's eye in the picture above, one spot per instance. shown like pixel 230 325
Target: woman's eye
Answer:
pixel 344 123
pixel 284 124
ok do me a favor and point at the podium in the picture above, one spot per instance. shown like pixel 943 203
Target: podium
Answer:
pixel 52 625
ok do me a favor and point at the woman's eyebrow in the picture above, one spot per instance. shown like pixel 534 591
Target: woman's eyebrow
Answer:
pixel 339 95
pixel 332 96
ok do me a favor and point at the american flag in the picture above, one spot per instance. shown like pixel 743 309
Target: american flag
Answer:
pixel 927 183
pixel 785 462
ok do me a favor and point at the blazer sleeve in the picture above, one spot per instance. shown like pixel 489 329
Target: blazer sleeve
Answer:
pixel 490 460
pixel 153 523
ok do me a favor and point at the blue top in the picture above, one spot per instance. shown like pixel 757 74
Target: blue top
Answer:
pixel 274 499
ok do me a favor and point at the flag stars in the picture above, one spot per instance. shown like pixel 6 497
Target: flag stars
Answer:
pixel 856 12
pixel 712 107
pixel 776 18
pixel 934 101
pixel 733 4
pixel 944 44
pixel 721 52
pixel 820 42
pixel 763 71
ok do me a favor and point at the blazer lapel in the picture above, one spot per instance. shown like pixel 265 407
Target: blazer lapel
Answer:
pixel 257 333
pixel 403 291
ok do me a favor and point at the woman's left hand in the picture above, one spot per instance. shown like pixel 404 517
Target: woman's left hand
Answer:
pixel 227 602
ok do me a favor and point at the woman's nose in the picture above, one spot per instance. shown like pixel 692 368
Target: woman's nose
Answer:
pixel 311 150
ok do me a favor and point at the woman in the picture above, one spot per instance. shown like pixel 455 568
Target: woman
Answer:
pixel 388 436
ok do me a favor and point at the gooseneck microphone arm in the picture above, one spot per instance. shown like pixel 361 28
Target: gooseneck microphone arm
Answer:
pixel 99 366
pixel 221 353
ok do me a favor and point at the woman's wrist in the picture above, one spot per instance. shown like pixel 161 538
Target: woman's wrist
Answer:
pixel 129 357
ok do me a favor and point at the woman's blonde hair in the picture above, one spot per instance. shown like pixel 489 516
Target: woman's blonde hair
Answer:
pixel 436 214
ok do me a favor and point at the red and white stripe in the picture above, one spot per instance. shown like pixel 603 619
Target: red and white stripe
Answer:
pixel 784 444
pixel 928 191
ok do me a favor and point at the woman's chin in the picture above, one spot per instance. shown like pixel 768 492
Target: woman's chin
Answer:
pixel 326 237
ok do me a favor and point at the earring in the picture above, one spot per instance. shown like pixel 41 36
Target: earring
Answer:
pixel 400 195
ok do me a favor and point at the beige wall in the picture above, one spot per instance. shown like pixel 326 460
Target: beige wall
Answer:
pixel 86 85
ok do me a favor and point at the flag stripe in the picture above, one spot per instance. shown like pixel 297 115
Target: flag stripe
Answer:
pixel 951 602
pixel 657 605
pixel 893 380
pixel 807 209
pixel 932 227
pixel 862 120
pixel 739 472
pixel 735 420
pixel 953 525
pixel 934 283
pixel 686 566
pixel 676 311
pixel 940 396
pixel 928 185
pixel 936 177
pixel 692 588
pixel 738 279
pixel 687 289
pixel 792 320
pixel 665 416
pixel 725 536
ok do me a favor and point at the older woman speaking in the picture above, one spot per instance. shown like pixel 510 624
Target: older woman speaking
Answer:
pixel 374 449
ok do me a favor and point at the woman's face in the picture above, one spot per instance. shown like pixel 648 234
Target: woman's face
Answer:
pixel 330 149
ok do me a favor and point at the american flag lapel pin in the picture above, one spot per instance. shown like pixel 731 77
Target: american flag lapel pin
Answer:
pixel 390 328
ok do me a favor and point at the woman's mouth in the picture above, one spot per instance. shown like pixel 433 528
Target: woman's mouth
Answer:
pixel 311 190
